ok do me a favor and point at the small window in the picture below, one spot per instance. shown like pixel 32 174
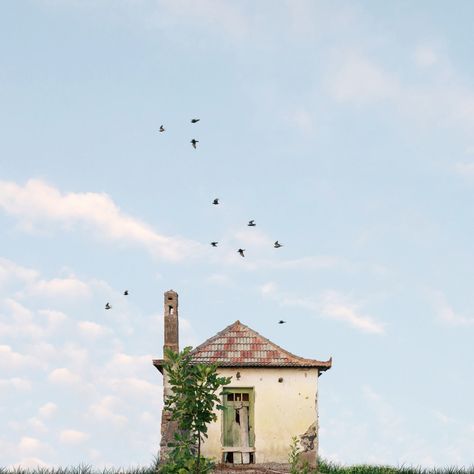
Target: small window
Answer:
pixel 170 309
pixel 230 397
pixel 245 397
pixel 238 397
pixel 170 298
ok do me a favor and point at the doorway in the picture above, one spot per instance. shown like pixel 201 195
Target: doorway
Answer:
pixel 238 437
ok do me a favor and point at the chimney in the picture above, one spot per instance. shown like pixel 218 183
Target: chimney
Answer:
pixel 171 322
pixel 168 426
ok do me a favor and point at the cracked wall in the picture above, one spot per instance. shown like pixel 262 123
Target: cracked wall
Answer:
pixel 285 405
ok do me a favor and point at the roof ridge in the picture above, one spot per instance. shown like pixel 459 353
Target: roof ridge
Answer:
pixel 212 338
pixel 283 352
pixel 279 347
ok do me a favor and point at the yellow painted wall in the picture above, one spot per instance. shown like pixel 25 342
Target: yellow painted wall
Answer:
pixel 282 410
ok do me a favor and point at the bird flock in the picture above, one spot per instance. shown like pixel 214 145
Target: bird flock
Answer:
pixel 215 202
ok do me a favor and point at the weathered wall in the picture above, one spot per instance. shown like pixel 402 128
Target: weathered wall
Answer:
pixel 282 410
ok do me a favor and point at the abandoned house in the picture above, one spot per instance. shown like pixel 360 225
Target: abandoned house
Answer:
pixel 272 397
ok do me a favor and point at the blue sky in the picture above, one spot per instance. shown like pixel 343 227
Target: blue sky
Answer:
pixel 343 128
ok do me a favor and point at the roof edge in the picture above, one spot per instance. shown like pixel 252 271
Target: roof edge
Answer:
pixel 322 366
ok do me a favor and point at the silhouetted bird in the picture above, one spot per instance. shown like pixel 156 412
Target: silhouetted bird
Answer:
pixel 125 293
pixel 216 201
pixel 277 245
pixel 194 142
pixel 214 244
pixel 107 306
pixel 162 129
pixel 195 120
pixel 251 224
pixel 241 251
pixel 281 322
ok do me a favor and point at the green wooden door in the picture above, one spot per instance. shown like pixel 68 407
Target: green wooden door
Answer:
pixel 238 416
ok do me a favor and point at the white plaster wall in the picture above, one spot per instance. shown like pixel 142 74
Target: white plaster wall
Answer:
pixel 282 410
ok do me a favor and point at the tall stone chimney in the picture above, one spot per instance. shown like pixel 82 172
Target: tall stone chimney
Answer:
pixel 171 341
pixel 171 322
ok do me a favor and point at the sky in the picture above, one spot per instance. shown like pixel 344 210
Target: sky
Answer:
pixel 343 128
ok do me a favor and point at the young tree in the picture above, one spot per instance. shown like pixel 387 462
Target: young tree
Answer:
pixel 191 405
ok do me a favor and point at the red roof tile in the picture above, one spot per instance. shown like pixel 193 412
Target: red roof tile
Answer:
pixel 239 346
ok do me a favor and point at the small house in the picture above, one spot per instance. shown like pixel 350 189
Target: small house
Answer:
pixel 272 397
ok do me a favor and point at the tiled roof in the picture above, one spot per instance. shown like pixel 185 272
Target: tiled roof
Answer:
pixel 239 346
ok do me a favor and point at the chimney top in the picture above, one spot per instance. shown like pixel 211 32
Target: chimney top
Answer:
pixel 171 320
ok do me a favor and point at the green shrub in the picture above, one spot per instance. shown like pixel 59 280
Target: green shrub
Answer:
pixel 191 404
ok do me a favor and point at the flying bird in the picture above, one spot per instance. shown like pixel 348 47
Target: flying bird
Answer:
pixel 162 129
pixel 125 293
pixel 107 306
pixel 214 244
pixel 277 245
pixel 216 201
pixel 241 251
pixel 281 321
pixel 251 223
pixel 194 142
pixel 195 120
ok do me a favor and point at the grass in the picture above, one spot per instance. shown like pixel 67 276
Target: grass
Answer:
pixel 81 469
pixel 325 467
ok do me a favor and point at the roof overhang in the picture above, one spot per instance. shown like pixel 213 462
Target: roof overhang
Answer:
pixel 322 366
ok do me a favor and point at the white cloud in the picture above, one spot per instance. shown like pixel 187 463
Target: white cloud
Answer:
pixel 425 56
pixel 44 351
pixel 37 424
pixel 17 321
pixel 129 363
pixel 13 361
pixel 465 168
pixel 29 462
pixel 19 312
pixel 302 119
pixel 55 318
pixel 445 313
pixel 443 418
pixel 14 383
pixel 357 79
pixel 12 271
pixel 253 237
pixel 336 306
pixel 445 99
pixel 90 329
pixel 64 376
pixel 72 437
pixel 29 445
pixel 47 410
pixel 330 304
pixel 268 288
pixel 149 418
pixel 220 279
pixel 38 204
pixel 106 409
pixel 70 287
pixel 135 387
